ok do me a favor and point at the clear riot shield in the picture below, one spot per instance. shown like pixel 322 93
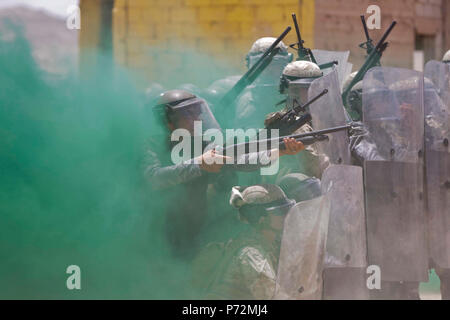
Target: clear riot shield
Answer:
pixel 395 212
pixel 437 160
pixel 324 56
pixel 328 112
pixel 346 254
pixel 302 251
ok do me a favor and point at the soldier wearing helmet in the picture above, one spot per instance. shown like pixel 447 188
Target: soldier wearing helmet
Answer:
pixel 261 97
pixel 185 184
pixel 246 267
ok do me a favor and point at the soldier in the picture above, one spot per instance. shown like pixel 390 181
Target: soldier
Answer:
pixel 184 185
pixel 437 160
pixel 261 97
pixel 294 83
pixel 392 153
pixel 246 267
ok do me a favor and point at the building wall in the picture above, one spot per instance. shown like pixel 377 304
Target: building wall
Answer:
pixel 338 27
pixel 224 29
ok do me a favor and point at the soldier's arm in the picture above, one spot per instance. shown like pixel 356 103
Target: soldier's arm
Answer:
pixel 161 177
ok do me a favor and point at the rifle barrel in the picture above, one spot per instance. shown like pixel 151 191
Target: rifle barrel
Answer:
pixel 297 30
pixel 363 20
pixel 317 133
pixel 385 35
pixel 324 92
pixel 244 80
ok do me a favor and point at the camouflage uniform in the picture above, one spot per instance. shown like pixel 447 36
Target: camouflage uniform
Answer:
pixel 245 267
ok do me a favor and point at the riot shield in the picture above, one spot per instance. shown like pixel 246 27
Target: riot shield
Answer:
pixel 328 112
pixel 346 254
pixel 302 250
pixel 437 160
pixel 395 212
pixel 324 56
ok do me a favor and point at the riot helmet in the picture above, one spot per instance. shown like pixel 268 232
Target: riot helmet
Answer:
pixel 296 79
pixel 273 71
pixel 181 108
pixel 257 201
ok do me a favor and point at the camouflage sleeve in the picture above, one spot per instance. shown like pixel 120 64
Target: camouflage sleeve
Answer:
pixel 160 177
pixel 257 273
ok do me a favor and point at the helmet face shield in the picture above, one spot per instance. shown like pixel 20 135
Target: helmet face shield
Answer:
pixel 297 91
pixel 183 115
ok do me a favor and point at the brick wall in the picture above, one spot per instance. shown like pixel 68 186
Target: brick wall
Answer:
pixel 338 27
pixel 224 29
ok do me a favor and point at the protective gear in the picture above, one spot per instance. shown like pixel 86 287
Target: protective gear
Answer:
pixel 300 187
pixel 437 156
pixel 246 269
pixel 261 45
pixel 328 112
pixel 261 97
pixel 298 75
pixel 279 61
pixel 343 67
pixel 182 108
pixel 446 57
pixel 302 250
pixel 393 171
pixel 257 201
pixel 346 252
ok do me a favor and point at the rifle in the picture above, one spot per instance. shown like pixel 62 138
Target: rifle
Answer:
pixel 303 53
pixel 250 75
pixel 368 45
pixel 307 138
pixel 290 121
pixel 371 61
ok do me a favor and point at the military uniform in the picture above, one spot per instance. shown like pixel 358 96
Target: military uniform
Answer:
pixel 244 267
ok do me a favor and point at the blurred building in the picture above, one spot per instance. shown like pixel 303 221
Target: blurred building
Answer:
pixel 150 36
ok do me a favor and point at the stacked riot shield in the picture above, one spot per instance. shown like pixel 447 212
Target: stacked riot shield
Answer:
pixel 328 112
pixel 302 250
pixel 393 177
pixel 437 159
pixel 345 264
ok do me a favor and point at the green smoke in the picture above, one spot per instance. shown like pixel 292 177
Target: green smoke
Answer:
pixel 71 187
